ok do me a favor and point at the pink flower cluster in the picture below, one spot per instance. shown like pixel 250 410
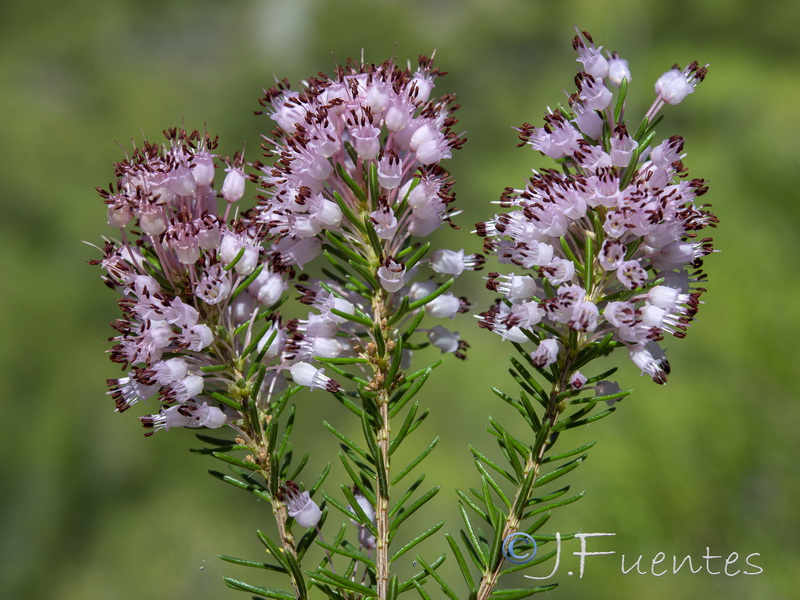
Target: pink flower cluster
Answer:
pixel 609 244
pixel 356 169
pixel 186 276
pixel 359 142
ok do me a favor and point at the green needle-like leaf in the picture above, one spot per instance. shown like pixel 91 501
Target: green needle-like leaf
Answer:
pixel 415 258
pixel 260 493
pixel 401 434
pixel 365 272
pixel 250 279
pixel 254 589
pixel 432 572
pixel 462 563
pixel 472 552
pixel 422 593
pixel 355 507
pixel 276 552
pixel 591 419
pixel 567 454
pixel 340 243
pixel 221 398
pixel 475 545
pixel 349 553
pixel 432 296
pixel 408 493
pixel 257 338
pixel 397 405
pixel 393 588
pixel 516 593
pixel 235 260
pixel 351 216
pixel 412 328
pixel 486 460
pixel 354 318
pixel 348 404
pixel 623 92
pixel 235 461
pixel 249 563
pixel 560 471
pixel 377 456
pixel 471 503
pixel 409 583
pixel 341 361
pixel 339 581
pixel 347 441
pixel 554 505
pixel 405 513
pixel 417 540
pixel 351 183
pixel 416 461
pixel 359 481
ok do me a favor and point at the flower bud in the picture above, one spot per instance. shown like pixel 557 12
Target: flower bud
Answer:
pixel 444 306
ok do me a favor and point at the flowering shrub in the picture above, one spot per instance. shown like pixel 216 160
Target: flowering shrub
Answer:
pixel 604 254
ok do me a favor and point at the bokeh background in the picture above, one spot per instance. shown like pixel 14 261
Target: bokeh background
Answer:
pixel 91 509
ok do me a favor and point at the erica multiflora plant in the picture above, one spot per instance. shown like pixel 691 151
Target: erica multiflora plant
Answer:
pixel 603 252
pixel 350 188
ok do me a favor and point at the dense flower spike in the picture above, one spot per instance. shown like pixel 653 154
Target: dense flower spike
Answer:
pixel 354 174
pixel 189 280
pixel 610 245
pixel 359 140
pixel 355 170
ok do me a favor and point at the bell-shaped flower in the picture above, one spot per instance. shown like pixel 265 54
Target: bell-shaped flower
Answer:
pixel 618 70
pixel 233 185
pixel 390 171
pixel 300 506
pixel 384 221
pixel 391 275
pixel 673 86
pixel 444 306
pixel 168 371
pixel 444 339
pixel 546 353
pixel 651 360
pixel 203 168
pixel 308 375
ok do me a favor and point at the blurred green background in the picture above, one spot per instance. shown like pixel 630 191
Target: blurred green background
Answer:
pixel 91 509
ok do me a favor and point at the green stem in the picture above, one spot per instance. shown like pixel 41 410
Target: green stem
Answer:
pixel 381 367
pixel 257 432
pixel 382 508
pixel 530 475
